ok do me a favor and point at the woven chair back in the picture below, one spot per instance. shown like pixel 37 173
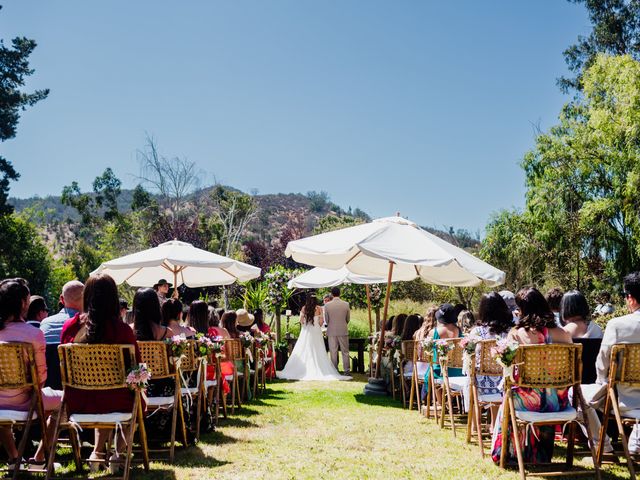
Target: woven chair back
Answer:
pixel 189 362
pixel 407 347
pixel 13 368
pixel 548 366
pixel 154 354
pixel 233 349
pixel 628 356
pixel 487 363
pixel 95 366
pixel 455 355
pixel 422 354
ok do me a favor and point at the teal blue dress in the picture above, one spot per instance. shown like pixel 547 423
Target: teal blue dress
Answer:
pixel 453 372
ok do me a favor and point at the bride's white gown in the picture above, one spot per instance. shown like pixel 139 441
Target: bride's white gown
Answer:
pixel 309 359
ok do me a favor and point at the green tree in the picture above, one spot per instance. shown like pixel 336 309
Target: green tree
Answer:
pixel 14 68
pixel 616 31
pixel 332 222
pixel 23 254
pixel 582 216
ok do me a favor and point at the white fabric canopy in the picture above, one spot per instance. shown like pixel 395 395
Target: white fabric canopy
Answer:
pixel 367 250
pixel 178 262
pixel 323 277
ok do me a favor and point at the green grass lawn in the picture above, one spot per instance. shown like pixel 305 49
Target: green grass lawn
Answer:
pixel 330 430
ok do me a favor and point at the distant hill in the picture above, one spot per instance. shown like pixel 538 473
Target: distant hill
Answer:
pixel 274 210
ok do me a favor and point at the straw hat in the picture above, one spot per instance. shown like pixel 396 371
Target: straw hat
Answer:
pixel 243 318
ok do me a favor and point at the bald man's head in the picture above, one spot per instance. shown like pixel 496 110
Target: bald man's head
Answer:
pixel 72 294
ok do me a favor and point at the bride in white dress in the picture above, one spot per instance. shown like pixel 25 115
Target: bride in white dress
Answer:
pixel 309 359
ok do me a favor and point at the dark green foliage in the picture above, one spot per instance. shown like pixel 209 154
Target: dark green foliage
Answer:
pixel 23 254
pixel 14 68
pixel 616 31
pixel 141 198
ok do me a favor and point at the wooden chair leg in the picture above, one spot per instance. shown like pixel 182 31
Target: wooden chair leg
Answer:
pixel 142 432
pixel 516 441
pixel 505 431
pixel 174 423
pixel 54 441
pixel 603 428
pixel 478 417
pixel 412 391
pixel 75 448
pixel 571 444
pixel 470 416
pixel 625 440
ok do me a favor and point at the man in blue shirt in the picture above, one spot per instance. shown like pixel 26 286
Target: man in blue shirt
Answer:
pixel 71 300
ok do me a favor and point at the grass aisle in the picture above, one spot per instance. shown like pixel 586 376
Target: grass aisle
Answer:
pixel 329 430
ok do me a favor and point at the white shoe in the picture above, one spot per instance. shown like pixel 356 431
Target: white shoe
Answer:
pixel 96 461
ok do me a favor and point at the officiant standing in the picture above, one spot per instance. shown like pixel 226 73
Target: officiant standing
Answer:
pixel 336 318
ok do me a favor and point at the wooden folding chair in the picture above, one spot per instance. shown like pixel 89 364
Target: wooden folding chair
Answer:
pixel 624 371
pixel 191 366
pixel 99 367
pixel 235 353
pixel 432 385
pixel 421 360
pixel 215 394
pixel 259 371
pixel 407 350
pixel 155 356
pixel 483 364
pixel 17 371
pixel 546 366
pixel 452 387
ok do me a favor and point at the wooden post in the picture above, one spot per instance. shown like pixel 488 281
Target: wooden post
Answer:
pixel 278 334
pixel 369 308
pixel 384 319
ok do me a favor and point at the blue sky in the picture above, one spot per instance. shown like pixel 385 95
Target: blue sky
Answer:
pixel 421 107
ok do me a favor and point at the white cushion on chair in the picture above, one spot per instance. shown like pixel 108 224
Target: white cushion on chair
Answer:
pixel 159 401
pixel 210 383
pixel 115 417
pixel 189 390
pixel 422 369
pixel 228 378
pixel 631 413
pixel 566 415
pixel 16 416
pixel 490 398
pixel 458 384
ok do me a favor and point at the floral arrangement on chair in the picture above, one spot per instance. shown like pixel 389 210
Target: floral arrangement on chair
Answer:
pixel 217 345
pixel 177 345
pixel 204 346
pixel 441 346
pixel 392 346
pixel 138 377
pixel 468 345
pixel 246 340
pixel 504 352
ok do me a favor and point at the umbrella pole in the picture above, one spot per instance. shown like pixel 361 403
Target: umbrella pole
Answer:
pixel 369 308
pixel 175 282
pixel 384 319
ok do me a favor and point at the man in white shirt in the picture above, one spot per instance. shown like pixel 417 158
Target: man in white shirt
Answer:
pixel 625 329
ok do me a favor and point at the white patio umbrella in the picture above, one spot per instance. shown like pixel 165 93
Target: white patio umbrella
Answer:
pixel 323 277
pixel 398 249
pixel 181 261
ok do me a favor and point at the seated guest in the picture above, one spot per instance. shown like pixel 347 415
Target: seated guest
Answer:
pixel 38 311
pixel 554 297
pixel 466 320
pixel 510 299
pixel 446 328
pixel 101 323
pixel 604 306
pixel 428 323
pixel 14 304
pixel 575 316
pixel 244 322
pixel 537 326
pixel 258 315
pixel 411 326
pixel 199 316
pixel 228 321
pixel 625 329
pixel 124 309
pixel 71 298
pixel 147 316
pixel 171 314
pixel 398 324
pixel 495 321
pixel 215 330
pixel 220 312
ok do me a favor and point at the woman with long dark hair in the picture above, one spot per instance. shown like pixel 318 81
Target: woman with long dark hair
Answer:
pixel 228 321
pixel 537 326
pixel 495 320
pixel 147 316
pixel 258 315
pixel 171 316
pixel 101 323
pixel 411 326
pixel 14 304
pixel 199 316
pixel 576 316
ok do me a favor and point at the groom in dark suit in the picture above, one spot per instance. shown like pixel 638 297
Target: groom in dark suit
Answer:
pixel 336 318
